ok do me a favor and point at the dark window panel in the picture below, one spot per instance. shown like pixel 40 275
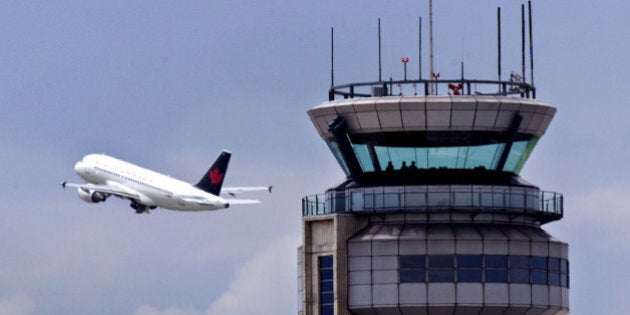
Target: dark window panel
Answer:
pixel 554 264
pixel 469 275
pixel 496 275
pixel 564 266
pixel 441 275
pixel 441 261
pixel 539 263
pixel 412 261
pixel 519 262
pixel 327 286
pixel 468 261
pixel 539 277
pixel 564 281
pixel 495 261
pixel 325 262
pixel 519 276
pixel 554 279
pixel 327 298
pixel 325 274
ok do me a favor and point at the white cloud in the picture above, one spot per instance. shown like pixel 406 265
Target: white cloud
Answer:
pixel 17 305
pixel 266 284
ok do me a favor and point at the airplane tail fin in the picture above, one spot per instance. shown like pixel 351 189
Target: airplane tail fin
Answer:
pixel 212 181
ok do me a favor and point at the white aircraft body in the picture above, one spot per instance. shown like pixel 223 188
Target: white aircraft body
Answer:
pixel 107 176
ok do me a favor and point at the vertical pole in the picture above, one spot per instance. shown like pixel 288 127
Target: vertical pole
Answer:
pixel 523 41
pixel 332 57
pixel 380 77
pixel 531 45
pixel 431 88
pixel 499 42
pixel 419 48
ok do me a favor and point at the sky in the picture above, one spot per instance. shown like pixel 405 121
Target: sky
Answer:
pixel 168 85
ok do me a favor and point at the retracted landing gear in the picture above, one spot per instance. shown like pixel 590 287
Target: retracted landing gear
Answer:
pixel 140 208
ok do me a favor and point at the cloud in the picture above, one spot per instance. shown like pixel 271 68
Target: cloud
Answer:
pixel 266 284
pixel 17 305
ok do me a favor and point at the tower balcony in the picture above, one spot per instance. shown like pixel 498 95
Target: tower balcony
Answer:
pixel 513 201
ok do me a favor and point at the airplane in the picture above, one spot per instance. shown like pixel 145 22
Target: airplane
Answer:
pixel 106 176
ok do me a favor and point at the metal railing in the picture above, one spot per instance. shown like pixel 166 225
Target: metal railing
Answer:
pixel 443 199
pixel 432 87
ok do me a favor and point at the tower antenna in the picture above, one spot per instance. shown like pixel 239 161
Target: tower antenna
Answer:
pixel 531 45
pixel 523 41
pixel 380 77
pixel 332 57
pixel 431 45
pixel 419 48
pixel 499 42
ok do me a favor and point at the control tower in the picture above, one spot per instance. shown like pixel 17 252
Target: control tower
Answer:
pixel 432 217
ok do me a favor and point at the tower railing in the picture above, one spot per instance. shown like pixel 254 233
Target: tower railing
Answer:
pixel 515 86
pixel 545 204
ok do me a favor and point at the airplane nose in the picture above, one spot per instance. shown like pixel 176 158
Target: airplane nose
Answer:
pixel 78 167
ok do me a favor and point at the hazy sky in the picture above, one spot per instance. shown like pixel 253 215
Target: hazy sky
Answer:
pixel 167 85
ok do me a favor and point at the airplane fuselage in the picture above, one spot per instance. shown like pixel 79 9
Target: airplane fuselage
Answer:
pixel 149 188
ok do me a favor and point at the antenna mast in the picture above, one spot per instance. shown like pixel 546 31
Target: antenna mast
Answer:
pixel 380 78
pixel 531 44
pixel 332 57
pixel 432 91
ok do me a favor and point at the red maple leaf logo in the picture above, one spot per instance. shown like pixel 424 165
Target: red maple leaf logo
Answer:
pixel 216 177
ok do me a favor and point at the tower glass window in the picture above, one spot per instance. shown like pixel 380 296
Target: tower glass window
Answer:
pixel 425 150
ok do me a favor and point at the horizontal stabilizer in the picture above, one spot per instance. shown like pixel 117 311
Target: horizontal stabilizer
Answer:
pixel 242 201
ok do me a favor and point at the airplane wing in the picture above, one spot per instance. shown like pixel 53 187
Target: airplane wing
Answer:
pixel 106 189
pixel 204 202
pixel 232 191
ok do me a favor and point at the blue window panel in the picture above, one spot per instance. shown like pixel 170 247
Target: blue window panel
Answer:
pixel 554 279
pixel 519 262
pixel 499 275
pixel 325 262
pixel 412 275
pixel 441 275
pixel 564 281
pixel 495 261
pixel 441 261
pixel 327 310
pixel 325 274
pixel 400 155
pixel 412 261
pixel 483 155
pixel 363 155
pixel 422 158
pixel 564 266
pixel 327 286
pixel 519 276
pixel 337 153
pixel 539 277
pixel 469 261
pixel 469 275
pixel 382 153
pixel 443 157
pixel 516 154
pixel 539 263
pixel 327 298
pixel 554 264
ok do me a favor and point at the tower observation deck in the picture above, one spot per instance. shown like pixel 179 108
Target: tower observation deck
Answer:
pixel 432 217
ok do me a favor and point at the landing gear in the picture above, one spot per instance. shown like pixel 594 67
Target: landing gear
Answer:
pixel 140 208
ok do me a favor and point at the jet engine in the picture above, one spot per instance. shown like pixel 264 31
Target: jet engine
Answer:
pixel 91 196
